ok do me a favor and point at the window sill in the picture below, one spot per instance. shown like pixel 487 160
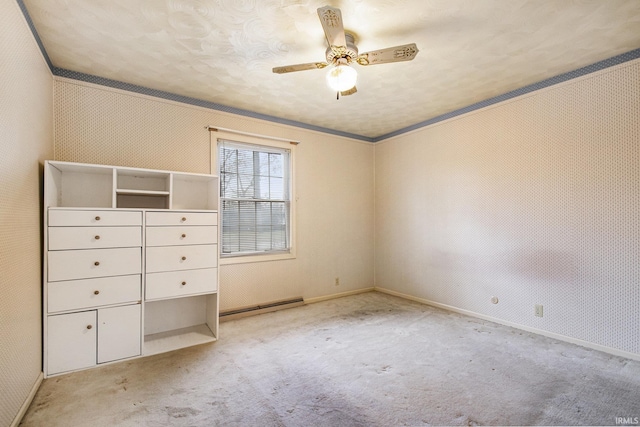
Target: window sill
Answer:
pixel 256 258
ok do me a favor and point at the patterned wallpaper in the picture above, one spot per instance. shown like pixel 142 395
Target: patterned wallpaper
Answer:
pixel 95 124
pixel 534 201
pixel 26 116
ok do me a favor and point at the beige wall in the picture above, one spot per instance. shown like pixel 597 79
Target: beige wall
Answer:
pixel 26 113
pixel 334 182
pixel 535 201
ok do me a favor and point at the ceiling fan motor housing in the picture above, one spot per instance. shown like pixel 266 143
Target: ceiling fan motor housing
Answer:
pixel 349 52
pixel 342 51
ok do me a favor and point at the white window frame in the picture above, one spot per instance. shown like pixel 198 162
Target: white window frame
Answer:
pixel 239 258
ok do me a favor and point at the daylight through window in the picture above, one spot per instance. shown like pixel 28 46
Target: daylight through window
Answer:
pixel 255 198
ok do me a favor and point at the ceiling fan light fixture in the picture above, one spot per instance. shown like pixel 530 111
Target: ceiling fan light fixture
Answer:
pixel 342 77
pixel 342 51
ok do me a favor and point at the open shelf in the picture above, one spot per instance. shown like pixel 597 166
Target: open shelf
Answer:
pixel 194 192
pixel 78 185
pixel 142 192
pixel 144 199
pixel 136 179
pixel 176 339
pixel 100 186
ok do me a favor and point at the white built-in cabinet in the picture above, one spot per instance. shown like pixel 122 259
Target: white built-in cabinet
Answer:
pixel 130 263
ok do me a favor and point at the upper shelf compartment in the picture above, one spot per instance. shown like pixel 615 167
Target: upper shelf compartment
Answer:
pixel 191 191
pixel 78 185
pixel 140 188
pixel 86 185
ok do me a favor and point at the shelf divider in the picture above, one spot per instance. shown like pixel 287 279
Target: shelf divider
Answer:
pixel 142 192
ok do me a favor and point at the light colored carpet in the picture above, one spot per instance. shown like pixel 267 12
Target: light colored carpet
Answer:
pixel 365 360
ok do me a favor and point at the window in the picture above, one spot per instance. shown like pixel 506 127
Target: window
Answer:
pixel 255 196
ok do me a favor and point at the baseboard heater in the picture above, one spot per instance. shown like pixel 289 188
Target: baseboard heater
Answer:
pixel 259 309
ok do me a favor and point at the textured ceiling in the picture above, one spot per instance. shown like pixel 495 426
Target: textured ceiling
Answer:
pixel 222 51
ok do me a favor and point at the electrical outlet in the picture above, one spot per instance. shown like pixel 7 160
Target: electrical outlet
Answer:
pixel 538 310
pixel 337 281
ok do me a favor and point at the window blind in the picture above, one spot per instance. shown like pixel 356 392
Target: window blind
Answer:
pixel 255 198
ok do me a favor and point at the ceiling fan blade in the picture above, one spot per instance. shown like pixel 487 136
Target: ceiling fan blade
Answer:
pixel 299 67
pixel 331 20
pixel 349 92
pixel 391 54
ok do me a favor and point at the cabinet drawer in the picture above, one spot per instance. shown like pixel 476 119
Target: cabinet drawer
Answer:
pixel 87 263
pixel 169 258
pixel 94 237
pixel 181 218
pixel 82 218
pixel 90 293
pixel 182 235
pixel 181 283
pixel 71 341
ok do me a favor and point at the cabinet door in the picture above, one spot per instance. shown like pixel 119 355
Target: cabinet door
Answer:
pixel 118 333
pixel 71 342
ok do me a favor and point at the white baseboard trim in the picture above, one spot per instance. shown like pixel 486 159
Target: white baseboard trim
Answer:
pixel 340 295
pixel 559 337
pixel 27 402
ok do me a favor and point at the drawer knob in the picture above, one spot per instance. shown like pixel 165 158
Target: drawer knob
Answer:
pixel 184 258
pixel 97 263
pixel 184 283
pixel 96 292
pixel 184 218
pixel 96 237
pixel 184 235
pixel 97 218
pixel 89 326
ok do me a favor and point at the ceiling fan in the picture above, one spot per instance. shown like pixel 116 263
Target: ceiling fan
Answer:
pixel 342 52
